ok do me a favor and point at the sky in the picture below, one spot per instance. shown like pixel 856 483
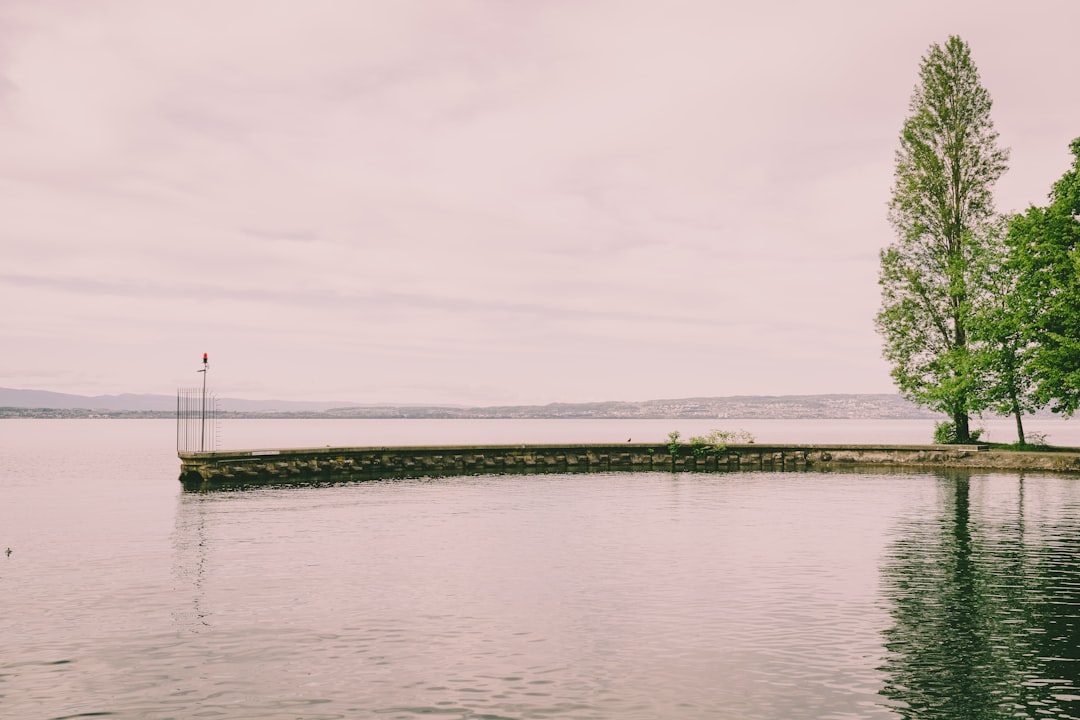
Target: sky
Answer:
pixel 478 202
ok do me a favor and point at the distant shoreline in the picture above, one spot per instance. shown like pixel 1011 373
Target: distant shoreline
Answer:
pixel 32 403
pixel 753 407
pixel 728 408
pixel 87 414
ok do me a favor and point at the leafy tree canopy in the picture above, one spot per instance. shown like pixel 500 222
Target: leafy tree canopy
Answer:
pixel 1045 245
pixel 943 214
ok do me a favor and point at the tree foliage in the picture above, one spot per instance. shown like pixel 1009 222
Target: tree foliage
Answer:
pixel 999 333
pixel 1045 257
pixel 942 211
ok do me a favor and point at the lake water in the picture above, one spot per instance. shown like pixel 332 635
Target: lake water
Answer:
pixel 251 434
pixel 618 595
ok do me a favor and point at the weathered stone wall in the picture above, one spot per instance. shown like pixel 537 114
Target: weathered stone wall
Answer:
pixel 206 471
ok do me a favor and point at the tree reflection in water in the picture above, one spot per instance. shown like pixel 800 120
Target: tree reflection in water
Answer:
pixel 984 599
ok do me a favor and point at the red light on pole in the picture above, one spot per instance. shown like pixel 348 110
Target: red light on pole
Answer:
pixel 205 359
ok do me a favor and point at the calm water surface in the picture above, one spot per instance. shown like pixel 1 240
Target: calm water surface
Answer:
pixel 249 434
pixel 651 595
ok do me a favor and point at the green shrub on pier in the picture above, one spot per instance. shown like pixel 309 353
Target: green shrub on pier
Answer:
pixel 945 434
pixel 715 443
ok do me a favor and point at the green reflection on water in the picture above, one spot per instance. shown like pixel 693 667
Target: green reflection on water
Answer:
pixel 984 601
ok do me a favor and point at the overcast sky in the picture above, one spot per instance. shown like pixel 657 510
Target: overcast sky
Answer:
pixel 478 202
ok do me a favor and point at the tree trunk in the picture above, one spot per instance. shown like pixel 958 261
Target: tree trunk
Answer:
pixel 963 427
pixel 1014 399
pixel 1019 420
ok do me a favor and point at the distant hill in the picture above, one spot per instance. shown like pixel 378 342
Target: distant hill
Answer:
pixel 128 402
pixel 62 401
pixel 20 403
pixel 734 407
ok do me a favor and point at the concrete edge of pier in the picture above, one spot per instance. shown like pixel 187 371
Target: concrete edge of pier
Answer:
pixel 306 466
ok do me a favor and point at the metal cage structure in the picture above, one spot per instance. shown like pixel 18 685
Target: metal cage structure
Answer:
pixel 196 420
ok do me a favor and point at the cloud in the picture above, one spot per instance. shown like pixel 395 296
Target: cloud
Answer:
pixel 651 199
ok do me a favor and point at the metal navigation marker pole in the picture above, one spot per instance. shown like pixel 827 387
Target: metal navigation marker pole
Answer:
pixel 202 435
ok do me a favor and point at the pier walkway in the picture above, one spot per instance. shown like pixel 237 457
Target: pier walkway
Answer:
pixel 245 468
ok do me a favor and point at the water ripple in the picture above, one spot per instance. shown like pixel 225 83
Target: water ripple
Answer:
pixel 630 596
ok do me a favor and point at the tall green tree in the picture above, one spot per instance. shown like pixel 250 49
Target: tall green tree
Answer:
pixel 1045 255
pixel 943 213
pixel 999 332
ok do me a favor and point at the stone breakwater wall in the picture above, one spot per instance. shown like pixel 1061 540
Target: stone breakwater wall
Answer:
pixel 218 470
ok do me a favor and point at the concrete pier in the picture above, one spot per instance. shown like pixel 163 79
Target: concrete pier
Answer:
pixel 219 470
